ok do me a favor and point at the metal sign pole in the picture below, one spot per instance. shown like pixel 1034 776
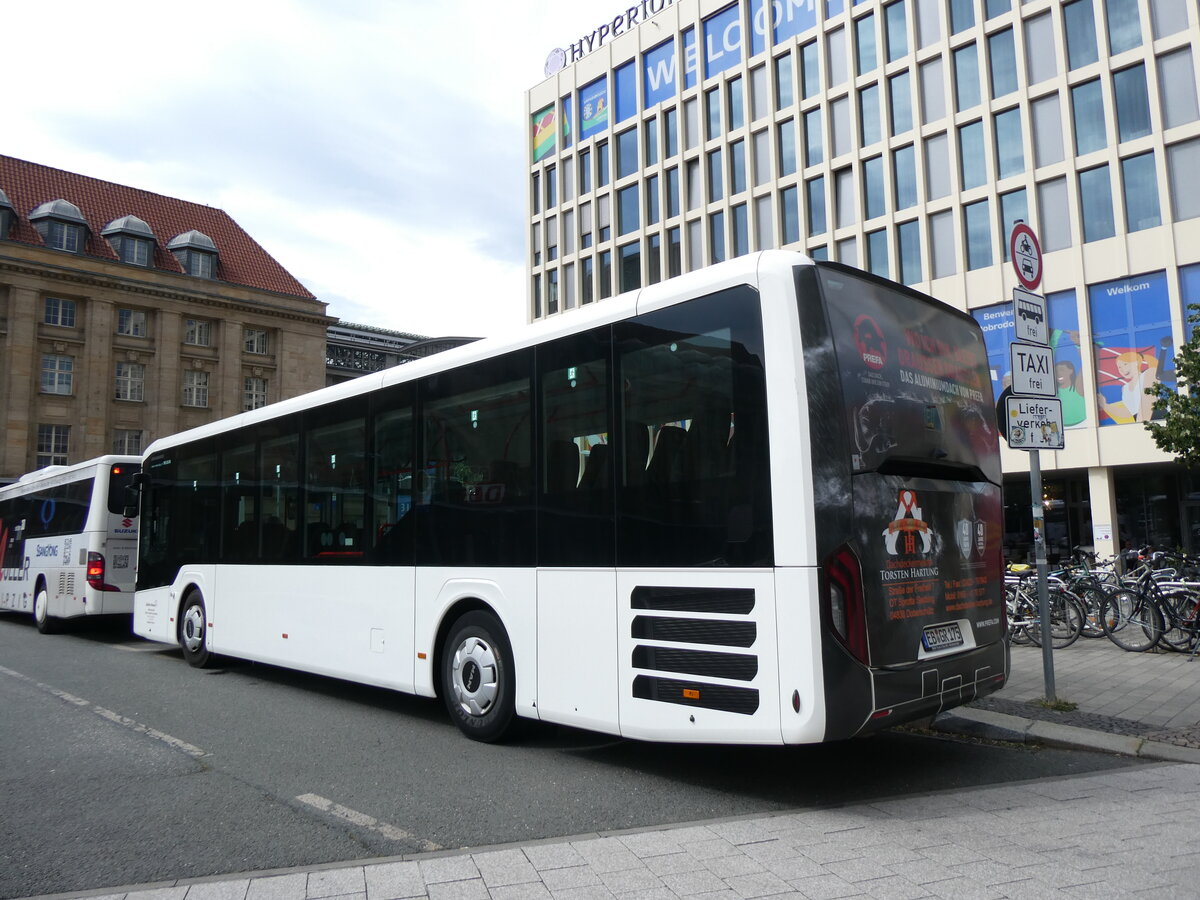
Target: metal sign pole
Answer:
pixel 1039 550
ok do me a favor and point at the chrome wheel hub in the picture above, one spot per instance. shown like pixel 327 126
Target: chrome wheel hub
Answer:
pixel 476 677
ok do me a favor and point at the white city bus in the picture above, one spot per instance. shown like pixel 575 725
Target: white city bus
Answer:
pixel 758 503
pixel 68 547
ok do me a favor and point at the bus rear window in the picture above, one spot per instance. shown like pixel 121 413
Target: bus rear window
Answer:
pixel 914 380
pixel 120 479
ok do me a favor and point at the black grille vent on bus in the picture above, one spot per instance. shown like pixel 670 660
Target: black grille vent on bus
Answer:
pixel 735 601
pixel 695 631
pixel 728 630
pixel 694 693
pixel 732 666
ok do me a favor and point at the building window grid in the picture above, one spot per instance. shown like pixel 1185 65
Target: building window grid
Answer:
pixel 795 98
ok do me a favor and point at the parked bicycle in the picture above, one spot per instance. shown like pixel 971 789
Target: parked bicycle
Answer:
pixel 1024 617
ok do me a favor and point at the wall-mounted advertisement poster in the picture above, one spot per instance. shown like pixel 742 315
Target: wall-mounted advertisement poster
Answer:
pixel 1069 370
pixel 544 133
pixel 1131 330
pixel 593 108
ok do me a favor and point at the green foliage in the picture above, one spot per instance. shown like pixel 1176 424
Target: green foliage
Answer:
pixel 1179 432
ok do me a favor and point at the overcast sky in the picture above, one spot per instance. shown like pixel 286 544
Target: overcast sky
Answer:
pixel 376 148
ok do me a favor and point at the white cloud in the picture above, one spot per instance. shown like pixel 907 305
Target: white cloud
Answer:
pixel 375 148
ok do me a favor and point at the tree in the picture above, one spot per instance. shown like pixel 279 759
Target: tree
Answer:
pixel 1179 432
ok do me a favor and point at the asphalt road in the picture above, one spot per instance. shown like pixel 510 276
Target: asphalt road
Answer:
pixel 123 765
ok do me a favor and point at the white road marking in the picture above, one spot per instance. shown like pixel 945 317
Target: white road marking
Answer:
pixel 362 820
pixel 115 718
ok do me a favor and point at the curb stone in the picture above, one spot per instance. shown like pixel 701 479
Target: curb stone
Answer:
pixel 1015 729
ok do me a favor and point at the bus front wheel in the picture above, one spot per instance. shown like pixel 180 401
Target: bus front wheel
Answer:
pixel 477 677
pixel 193 623
pixel 45 622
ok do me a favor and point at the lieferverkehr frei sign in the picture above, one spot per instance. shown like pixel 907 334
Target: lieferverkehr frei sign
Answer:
pixel 1034 423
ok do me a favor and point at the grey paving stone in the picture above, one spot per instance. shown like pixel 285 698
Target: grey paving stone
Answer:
pixel 534 891
pixel 219 890
pixel 171 893
pixel 591 892
pixel 687 884
pixel 825 887
pixel 470 889
pixel 758 884
pixel 564 879
pixel 893 887
pixel 628 880
pixel 553 856
pixel 505 867
pixel 279 887
pixel 606 854
pixel 336 882
pixel 393 881
pixel 448 868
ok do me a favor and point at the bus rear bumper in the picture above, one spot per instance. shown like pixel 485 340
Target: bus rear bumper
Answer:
pixel 928 688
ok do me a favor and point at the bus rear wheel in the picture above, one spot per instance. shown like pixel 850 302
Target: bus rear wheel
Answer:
pixel 477 677
pixel 45 622
pixel 193 626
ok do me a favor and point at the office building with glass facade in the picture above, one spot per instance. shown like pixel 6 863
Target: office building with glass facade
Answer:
pixel 905 137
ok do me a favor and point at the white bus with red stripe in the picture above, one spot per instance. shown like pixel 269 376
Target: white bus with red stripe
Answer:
pixel 69 549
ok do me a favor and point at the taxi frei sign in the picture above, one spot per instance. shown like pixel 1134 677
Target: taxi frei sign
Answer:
pixel 1033 414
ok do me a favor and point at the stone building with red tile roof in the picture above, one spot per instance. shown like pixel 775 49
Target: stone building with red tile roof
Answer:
pixel 126 315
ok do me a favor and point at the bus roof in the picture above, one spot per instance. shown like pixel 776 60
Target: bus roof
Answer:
pixel 742 270
pixel 31 481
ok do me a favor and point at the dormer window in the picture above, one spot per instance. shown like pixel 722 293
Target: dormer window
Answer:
pixel 8 215
pixel 196 252
pixel 61 225
pixel 132 239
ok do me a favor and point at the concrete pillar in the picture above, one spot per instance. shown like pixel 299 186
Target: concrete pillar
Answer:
pixel 1105 535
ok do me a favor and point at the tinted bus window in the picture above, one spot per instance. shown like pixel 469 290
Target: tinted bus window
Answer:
pixel 695 484
pixel 475 502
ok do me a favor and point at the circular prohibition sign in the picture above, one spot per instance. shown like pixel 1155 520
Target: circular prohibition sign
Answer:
pixel 1026 255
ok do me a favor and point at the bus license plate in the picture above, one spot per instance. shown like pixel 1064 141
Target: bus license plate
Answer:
pixel 942 637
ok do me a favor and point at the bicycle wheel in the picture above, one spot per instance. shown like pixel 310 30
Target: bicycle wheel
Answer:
pixel 1020 614
pixel 1179 620
pixel 1131 620
pixel 1066 620
pixel 1092 597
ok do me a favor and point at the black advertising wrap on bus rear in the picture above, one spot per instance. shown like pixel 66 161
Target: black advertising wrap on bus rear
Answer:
pixel 924 457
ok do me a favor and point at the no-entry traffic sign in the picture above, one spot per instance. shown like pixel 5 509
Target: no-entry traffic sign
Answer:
pixel 1026 255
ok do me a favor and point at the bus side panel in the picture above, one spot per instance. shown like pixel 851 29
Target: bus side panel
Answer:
pixel 697 656
pixel 510 593
pixel 802 708
pixel 577 648
pixel 350 622
pixel 156 610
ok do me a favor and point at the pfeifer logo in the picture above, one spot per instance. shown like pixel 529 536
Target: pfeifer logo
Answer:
pixel 868 338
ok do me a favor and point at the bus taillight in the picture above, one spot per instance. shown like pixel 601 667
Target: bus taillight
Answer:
pixel 95 573
pixel 843 577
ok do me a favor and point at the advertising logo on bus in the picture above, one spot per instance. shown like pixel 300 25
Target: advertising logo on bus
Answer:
pixel 868 338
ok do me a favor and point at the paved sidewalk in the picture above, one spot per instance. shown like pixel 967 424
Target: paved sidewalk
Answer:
pixel 1153 697
pixel 1050 838
pixel 1120 833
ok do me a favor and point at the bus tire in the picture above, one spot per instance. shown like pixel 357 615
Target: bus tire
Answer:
pixel 477 678
pixel 45 622
pixel 193 628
